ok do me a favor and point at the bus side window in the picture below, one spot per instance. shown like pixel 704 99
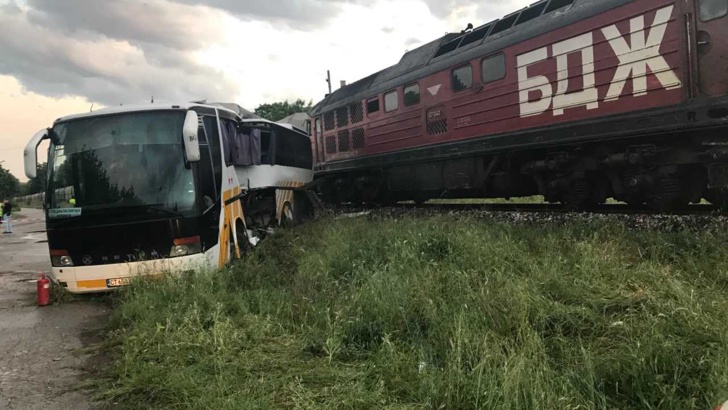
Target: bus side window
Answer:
pixel 304 155
pixel 266 154
pixel 229 131
pixel 285 151
pixel 205 173
pixel 213 139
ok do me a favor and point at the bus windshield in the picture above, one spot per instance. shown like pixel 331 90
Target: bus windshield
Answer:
pixel 120 161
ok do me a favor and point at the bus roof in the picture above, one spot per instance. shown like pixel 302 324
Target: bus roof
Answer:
pixel 272 124
pixel 142 107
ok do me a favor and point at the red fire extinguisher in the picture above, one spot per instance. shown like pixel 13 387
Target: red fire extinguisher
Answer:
pixel 44 290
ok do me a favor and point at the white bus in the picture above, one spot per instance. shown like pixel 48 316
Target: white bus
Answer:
pixel 149 189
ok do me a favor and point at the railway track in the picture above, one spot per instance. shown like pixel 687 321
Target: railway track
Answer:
pixel 695 218
pixel 696 209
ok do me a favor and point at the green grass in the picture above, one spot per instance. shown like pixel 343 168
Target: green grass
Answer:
pixel 449 312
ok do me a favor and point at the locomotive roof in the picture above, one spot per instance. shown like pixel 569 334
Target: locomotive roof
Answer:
pixel 456 48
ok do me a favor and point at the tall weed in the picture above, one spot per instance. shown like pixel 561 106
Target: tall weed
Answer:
pixel 435 312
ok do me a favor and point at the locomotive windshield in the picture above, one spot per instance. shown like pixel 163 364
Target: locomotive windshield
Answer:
pixel 121 161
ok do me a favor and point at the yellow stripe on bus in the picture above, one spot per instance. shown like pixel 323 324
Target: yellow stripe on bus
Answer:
pixel 91 284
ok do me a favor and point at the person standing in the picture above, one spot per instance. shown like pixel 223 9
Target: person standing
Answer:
pixel 7 216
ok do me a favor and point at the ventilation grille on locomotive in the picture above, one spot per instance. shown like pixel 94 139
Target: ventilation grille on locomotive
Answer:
pixel 331 145
pixel 357 137
pixel 356 111
pixel 437 127
pixel 342 117
pixel 329 121
pixel 344 144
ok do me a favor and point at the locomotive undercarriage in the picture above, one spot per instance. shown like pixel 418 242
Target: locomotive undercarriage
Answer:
pixel 665 173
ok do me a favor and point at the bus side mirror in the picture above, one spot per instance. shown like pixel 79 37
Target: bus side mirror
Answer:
pixel 30 154
pixel 189 136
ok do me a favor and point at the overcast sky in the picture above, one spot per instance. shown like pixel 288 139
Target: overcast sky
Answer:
pixel 59 57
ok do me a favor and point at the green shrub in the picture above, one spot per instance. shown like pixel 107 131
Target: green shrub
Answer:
pixel 436 312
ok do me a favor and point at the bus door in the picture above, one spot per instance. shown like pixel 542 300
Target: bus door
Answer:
pixel 712 46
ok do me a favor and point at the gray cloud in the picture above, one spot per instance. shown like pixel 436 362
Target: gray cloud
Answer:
pixel 495 9
pixel 443 8
pixel 112 52
pixel 310 14
pixel 296 14
pixel 139 21
pixel 124 51
pixel 487 10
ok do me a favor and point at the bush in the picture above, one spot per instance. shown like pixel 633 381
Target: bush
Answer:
pixel 436 312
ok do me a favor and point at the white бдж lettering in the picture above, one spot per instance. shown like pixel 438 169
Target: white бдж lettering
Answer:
pixel 635 58
pixel 527 85
pixel 588 95
pixel 633 61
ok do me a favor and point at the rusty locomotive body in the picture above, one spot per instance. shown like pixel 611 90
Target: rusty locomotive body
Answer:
pixel 576 100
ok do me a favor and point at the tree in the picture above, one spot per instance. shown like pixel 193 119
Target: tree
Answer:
pixel 9 185
pixel 280 110
pixel 38 184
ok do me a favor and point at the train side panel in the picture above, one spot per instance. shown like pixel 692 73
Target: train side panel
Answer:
pixel 613 98
pixel 623 61
pixel 708 26
pixel 628 59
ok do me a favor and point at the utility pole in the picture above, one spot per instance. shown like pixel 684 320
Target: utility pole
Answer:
pixel 328 80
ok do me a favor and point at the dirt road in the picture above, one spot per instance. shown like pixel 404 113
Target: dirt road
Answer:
pixel 42 353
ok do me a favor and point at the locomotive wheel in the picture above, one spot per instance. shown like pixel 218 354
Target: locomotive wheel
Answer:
pixel 420 199
pixel 585 193
pixel 718 197
pixel 579 195
pixel 669 194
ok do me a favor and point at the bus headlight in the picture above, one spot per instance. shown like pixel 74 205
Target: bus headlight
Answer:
pixel 61 261
pixel 185 246
pixel 60 258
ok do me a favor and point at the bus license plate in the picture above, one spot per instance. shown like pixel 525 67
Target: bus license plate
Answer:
pixel 116 282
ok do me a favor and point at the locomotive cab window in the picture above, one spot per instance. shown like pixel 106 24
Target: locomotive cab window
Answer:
pixel 557 4
pixel 493 68
pixel 391 101
pixel 712 9
pixel 411 95
pixel 462 78
pixel 373 105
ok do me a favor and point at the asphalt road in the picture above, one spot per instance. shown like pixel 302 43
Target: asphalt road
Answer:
pixel 44 352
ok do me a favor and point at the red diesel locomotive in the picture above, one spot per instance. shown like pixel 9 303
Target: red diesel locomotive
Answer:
pixel 576 100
